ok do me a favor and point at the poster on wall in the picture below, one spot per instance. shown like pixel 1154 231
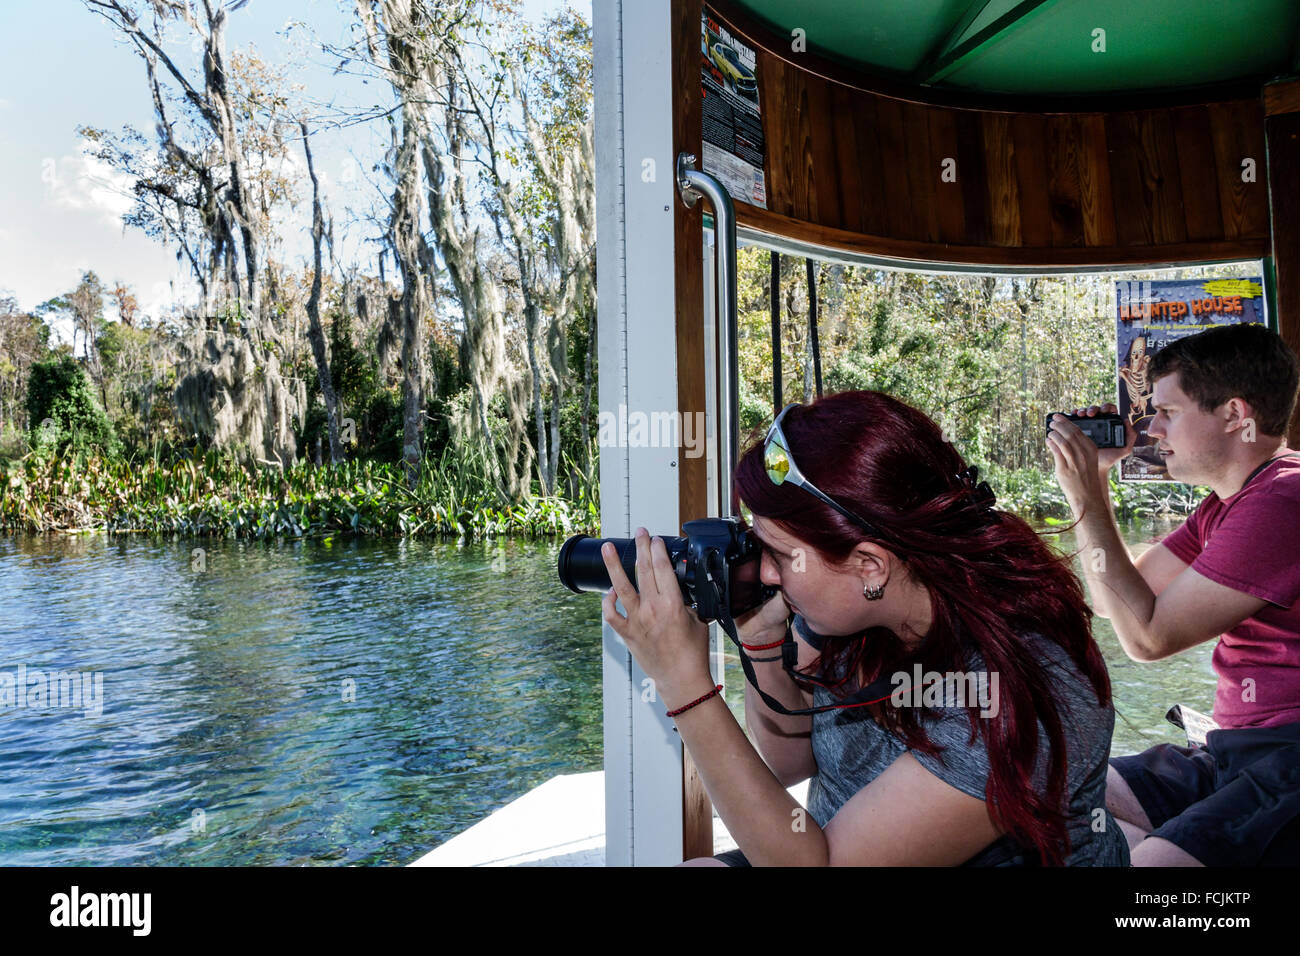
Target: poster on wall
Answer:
pixel 1150 315
pixel 733 127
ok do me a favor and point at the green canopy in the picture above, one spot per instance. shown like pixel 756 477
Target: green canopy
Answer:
pixel 1047 46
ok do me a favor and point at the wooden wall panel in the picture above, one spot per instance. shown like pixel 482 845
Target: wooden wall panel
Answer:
pixel 869 166
pixel 945 162
pixel 1096 194
pixel 1283 167
pixel 1029 145
pixel 848 155
pixel 1003 190
pixel 1197 175
pixel 922 220
pixel 972 167
pixel 1131 212
pixel 804 163
pixel 1160 160
pixel 1064 154
pixel 1238 135
pixel 771 85
pixel 1133 185
pixel 688 228
pixel 892 191
pixel 827 197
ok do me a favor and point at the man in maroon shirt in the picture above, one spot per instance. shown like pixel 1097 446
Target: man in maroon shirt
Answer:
pixel 1231 572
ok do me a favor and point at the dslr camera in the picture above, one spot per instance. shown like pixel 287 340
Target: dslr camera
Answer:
pixel 716 562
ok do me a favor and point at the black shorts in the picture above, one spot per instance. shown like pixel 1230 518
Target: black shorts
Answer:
pixel 732 858
pixel 1233 802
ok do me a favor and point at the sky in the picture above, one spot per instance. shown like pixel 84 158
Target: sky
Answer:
pixel 60 210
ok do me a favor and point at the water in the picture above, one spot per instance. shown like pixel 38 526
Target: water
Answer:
pixel 353 702
pixel 1144 692
pixel 227 735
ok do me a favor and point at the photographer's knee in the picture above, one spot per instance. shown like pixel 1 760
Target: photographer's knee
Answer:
pixel 1122 803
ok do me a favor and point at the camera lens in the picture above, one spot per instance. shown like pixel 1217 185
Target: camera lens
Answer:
pixel 582 568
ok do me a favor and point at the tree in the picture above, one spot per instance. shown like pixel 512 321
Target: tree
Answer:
pixel 503 127
pixel 85 306
pixel 140 369
pixel 61 409
pixel 218 166
pixel 316 333
pixel 551 213
pixel 24 339
pixel 210 189
pixel 400 35
pixel 126 303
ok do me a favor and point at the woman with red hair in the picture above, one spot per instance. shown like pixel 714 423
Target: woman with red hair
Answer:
pixel 989 743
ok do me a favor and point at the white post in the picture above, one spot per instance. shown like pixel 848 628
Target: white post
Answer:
pixel 635 195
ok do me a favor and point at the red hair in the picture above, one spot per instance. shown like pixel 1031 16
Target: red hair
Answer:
pixel 989 574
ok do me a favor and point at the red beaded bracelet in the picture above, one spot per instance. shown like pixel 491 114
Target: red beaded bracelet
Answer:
pixel 763 647
pixel 699 700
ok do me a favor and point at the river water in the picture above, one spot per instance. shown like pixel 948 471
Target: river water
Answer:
pixel 343 702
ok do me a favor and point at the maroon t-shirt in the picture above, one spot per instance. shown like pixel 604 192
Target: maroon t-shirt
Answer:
pixel 1250 542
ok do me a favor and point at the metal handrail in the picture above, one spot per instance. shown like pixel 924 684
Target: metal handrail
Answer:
pixel 693 183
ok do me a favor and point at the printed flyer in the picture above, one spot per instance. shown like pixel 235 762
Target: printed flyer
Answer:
pixel 733 126
pixel 1150 315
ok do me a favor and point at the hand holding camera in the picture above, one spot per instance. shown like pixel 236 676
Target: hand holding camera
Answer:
pixel 671 588
pixel 715 564
pixel 668 640
pixel 1081 466
pixel 1103 425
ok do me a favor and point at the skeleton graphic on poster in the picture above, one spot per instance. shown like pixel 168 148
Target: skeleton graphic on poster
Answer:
pixel 1136 376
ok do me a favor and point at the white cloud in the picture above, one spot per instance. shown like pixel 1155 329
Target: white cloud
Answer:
pixel 85 182
pixel 4 103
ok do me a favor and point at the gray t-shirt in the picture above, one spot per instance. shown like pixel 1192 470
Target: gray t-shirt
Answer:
pixel 851 750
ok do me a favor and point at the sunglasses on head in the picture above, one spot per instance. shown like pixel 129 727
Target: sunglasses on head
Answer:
pixel 781 469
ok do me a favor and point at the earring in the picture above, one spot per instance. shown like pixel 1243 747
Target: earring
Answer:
pixel 873 594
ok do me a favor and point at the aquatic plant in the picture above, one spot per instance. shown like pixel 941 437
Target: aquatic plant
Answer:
pixel 213 494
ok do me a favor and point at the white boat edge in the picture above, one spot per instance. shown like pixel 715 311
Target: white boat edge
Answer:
pixel 559 823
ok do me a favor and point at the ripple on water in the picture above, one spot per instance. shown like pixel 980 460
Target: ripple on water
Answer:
pixel 359 703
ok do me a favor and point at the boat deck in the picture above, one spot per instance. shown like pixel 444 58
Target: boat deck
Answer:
pixel 560 823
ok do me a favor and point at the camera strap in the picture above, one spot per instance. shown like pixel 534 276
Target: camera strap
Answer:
pixel 1264 465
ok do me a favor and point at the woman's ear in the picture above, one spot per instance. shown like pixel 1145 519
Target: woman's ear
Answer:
pixel 871 560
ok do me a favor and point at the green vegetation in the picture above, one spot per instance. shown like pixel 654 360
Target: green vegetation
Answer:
pixel 210 494
pixel 62 409
pixel 1035 496
pixel 987 357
